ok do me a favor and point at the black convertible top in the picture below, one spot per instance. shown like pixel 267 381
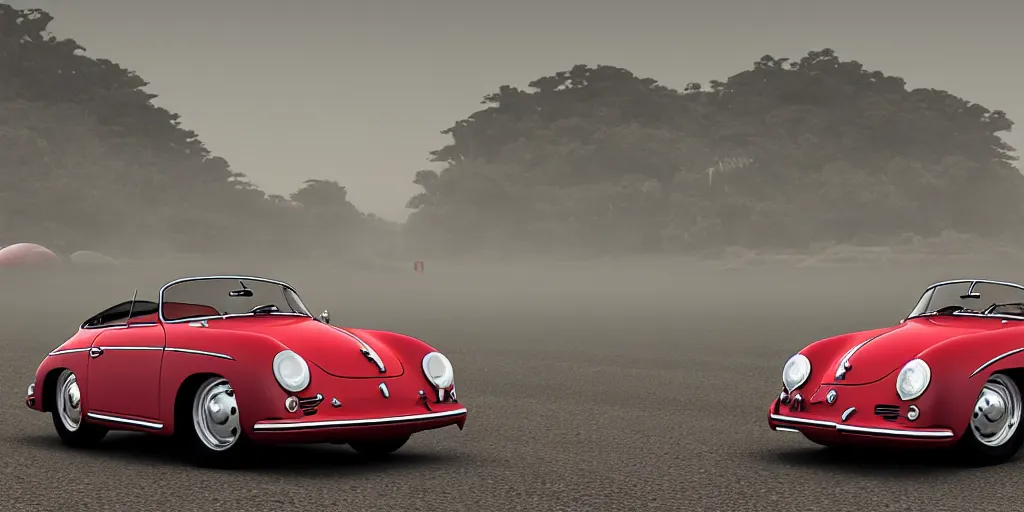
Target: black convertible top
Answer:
pixel 120 312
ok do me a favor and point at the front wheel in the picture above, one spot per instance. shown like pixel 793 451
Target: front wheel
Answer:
pixel 67 414
pixel 994 435
pixel 379 448
pixel 215 437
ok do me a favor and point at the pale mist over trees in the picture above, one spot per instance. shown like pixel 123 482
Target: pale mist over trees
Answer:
pixel 589 161
pixel 782 155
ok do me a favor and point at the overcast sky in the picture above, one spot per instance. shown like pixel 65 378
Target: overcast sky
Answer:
pixel 358 91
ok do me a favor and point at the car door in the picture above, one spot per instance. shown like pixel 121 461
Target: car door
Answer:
pixel 124 373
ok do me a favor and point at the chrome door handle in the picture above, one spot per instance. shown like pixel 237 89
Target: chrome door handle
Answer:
pixel 95 352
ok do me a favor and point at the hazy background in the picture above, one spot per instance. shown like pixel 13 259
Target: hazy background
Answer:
pixel 358 91
pixel 593 283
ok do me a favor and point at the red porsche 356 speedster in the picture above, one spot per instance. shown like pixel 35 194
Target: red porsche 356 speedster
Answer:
pixel 948 375
pixel 224 361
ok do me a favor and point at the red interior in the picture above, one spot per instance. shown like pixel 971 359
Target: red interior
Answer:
pixel 177 310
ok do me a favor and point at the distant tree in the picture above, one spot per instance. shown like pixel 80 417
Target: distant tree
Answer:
pixel 785 154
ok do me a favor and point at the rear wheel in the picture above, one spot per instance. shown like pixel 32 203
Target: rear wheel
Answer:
pixel 215 437
pixel 67 414
pixel 994 435
pixel 379 448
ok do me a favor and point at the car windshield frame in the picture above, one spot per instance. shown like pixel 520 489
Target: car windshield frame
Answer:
pixel 282 284
pixel 923 307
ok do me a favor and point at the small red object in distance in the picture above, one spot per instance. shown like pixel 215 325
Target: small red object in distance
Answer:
pixel 418 266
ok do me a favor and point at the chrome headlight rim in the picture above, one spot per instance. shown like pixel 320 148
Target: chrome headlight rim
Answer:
pixel 913 364
pixel 31 390
pixel 800 362
pixel 447 379
pixel 300 381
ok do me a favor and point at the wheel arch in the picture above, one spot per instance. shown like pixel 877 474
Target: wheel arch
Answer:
pixel 183 398
pixel 49 399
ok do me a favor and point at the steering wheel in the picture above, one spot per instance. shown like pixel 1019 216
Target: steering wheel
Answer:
pixel 949 310
pixel 265 308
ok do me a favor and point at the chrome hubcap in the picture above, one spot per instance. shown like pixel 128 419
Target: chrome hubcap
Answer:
pixel 69 401
pixel 997 411
pixel 215 415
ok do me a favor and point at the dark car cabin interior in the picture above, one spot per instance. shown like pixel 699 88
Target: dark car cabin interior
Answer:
pixel 145 311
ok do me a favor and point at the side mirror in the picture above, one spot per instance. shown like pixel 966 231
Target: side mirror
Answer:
pixel 325 317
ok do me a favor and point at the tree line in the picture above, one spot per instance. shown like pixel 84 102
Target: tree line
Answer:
pixel 592 160
pixel 89 162
pixel 783 155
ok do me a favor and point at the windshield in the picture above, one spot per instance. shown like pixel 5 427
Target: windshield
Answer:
pixel 205 297
pixel 972 298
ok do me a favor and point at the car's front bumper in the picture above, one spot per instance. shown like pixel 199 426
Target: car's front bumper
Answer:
pixel 784 423
pixel 304 430
pixel 869 414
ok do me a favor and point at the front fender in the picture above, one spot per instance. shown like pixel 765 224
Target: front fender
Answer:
pixel 249 371
pixel 960 367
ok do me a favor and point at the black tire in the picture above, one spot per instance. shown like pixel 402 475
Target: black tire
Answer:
pixel 206 441
pixel 979 449
pixel 379 448
pixel 66 412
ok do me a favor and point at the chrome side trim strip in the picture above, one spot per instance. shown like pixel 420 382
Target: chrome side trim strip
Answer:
pixel 199 353
pixel 278 426
pixel 168 349
pixel 120 326
pixel 126 421
pixel 996 359
pixel 786 429
pixel 68 351
pixel 129 348
pixel 923 434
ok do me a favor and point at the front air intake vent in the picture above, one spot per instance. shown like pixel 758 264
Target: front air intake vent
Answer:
pixel 888 412
pixel 310 404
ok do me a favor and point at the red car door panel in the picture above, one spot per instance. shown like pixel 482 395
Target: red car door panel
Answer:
pixel 124 374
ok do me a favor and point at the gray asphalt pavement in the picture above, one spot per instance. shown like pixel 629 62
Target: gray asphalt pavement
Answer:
pixel 611 403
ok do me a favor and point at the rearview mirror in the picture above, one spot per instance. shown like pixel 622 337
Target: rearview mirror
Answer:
pixel 971 295
pixel 325 317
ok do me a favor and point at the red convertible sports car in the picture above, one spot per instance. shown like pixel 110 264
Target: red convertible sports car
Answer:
pixel 949 375
pixel 223 361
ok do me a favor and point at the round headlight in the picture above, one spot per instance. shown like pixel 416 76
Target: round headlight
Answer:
pixel 913 379
pixel 796 371
pixel 438 370
pixel 291 371
pixel 31 389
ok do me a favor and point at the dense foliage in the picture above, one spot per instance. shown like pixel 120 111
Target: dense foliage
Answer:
pixel 593 159
pixel 89 162
pixel 785 154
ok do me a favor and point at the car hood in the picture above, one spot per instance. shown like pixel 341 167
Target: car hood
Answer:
pixel 889 351
pixel 335 350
